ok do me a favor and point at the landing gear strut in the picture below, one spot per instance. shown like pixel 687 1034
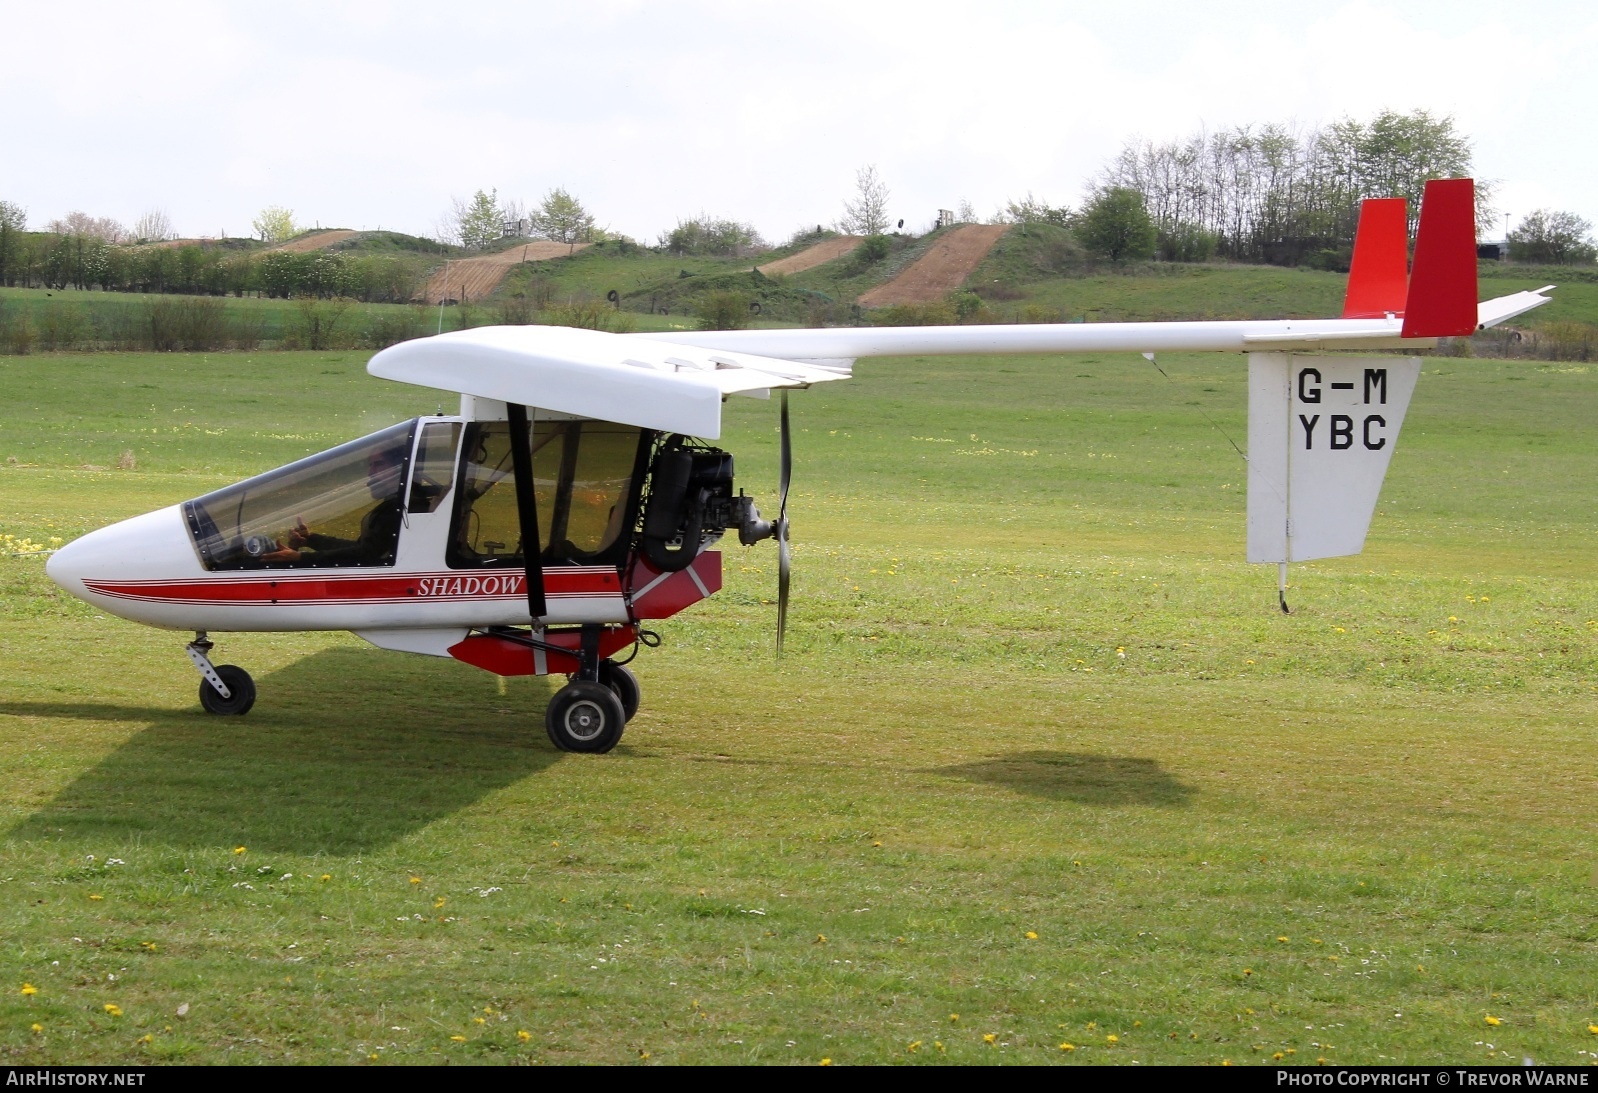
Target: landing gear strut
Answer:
pixel 226 689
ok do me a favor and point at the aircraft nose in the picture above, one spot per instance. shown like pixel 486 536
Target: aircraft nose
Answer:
pixel 155 546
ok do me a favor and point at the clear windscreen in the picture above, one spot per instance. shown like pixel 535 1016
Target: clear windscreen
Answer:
pixel 340 507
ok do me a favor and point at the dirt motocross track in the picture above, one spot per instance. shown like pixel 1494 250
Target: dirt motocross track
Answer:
pixel 941 270
pixel 811 257
pixel 469 279
pixel 315 241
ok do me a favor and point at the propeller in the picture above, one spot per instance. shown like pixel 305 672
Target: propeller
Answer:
pixel 784 557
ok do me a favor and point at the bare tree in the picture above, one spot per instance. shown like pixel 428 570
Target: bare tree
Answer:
pixel 77 222
pixel 154 226
pixel 867 213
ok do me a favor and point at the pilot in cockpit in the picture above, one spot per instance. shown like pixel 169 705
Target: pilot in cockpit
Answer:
pixel 380 526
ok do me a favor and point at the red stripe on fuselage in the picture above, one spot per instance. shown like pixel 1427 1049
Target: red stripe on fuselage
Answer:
pixel 320 589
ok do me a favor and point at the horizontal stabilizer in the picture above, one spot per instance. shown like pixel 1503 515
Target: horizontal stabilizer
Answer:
pixel 1442 284
pixel 1378 278
pixel 1503 308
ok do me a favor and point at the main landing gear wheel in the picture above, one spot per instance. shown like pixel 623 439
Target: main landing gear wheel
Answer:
pixel 238 681
pixel 585 716
pixel 619 679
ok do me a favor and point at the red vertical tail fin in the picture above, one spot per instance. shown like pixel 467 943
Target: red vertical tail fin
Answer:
pixel 1378 279
pixel 1442 286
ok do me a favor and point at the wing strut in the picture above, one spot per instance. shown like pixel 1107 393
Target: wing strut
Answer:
pixel 521 455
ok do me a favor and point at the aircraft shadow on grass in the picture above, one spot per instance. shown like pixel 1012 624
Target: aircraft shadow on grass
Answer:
pixel 1078 776
pixel 346 751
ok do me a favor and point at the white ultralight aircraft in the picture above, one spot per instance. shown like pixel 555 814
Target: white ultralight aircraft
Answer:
pixel 575 498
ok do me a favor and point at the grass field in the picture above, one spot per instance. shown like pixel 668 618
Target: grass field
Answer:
pixel 1044 776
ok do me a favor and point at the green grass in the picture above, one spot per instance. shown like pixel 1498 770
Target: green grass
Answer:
pixel 1350 833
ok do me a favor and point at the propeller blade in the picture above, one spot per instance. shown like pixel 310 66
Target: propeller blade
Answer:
pixel 784 568
pixel 784 556
pixel 785 461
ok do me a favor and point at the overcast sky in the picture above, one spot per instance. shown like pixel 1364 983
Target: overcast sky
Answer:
pixel 363 115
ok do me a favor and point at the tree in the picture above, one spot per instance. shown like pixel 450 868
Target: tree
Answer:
pixel 1278 194
pixel 275 224
pixel 77 222
pixel 1116 225
pixel 1553 238
pixel 1030 210
pixel 709 235
pixel 476 223
pixel 13 222
pixel 561 217
pixel 154 226
pixel 867 213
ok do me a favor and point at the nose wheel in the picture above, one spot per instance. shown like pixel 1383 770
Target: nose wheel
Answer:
pixel 226 688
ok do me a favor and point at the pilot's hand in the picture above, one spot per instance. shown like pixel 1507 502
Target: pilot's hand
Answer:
pixel 300 534
pixel 283 555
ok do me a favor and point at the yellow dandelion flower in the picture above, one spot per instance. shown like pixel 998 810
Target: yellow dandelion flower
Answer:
pixel 146 1039
pixel 1283 940
pixel 458 1039
pixel 1321 1061
pixel 479 1020
pixel 821 939
pixel 148 946
pixel 1278 1056
pixel 1248 971
pixel 523 1035
pixel 327 876
pixel 113 1009
pixel 877 842
pixel 1031 935
pixel 96 896
pixel 913 1046
pixel 989 1038
pixel 36 1027
pixel 1593 1029
pixel 416 880
pixel 1493 1021
pixel 1091 1025
pixel 437 903
pixel 373 1056
pixel 1067 1046
pixel 826 1062
pixel 643 1054
pixel 954 1018
pixel 1137 1024
pixel 1112 1038
pixel 938 1044
pixel 29 990
pixel 239 849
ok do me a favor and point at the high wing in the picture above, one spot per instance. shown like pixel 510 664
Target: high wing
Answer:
pixel 641 381
pixel 676 381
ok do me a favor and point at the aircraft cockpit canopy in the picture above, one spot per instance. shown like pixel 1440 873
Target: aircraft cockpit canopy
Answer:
pixel 348 506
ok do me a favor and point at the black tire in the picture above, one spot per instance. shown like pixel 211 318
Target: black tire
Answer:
pixel 586 717
pixel 239 682
pixel 619 679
